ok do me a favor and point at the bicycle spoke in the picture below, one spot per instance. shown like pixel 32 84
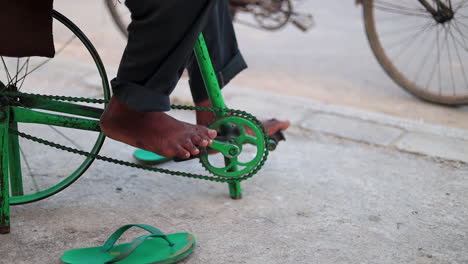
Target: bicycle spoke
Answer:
pixel 461 5
pixel 7 73
pixel 405 29
pixel 462 42
pixel 67 138
pixel 411 41
pixel 399 7
pixel 396 11
pixel 409 38
pixel 18 71
pixel 460 61
pixel 438 62
pixel 47 60
pixel 461 23
pixel 438 57
pixel 455 25
pixel 413 54
pixel 31 174
pixel 17 68
pixel 421 66
pixel 400 10
pixel 450 59
pixel 25 71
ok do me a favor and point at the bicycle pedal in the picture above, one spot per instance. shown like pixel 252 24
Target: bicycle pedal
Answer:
pixel 203 152
pixel 275 139
pixel 303 21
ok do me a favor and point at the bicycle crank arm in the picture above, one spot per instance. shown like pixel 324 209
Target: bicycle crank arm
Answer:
pixel 303 22
pixel 228 150
pixel 275 139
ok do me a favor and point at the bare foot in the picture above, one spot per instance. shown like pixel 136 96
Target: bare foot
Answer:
pixel 154 131
pixel 272 126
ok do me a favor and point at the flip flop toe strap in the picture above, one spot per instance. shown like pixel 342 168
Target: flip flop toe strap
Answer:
pixel 130 248
pixel 109 244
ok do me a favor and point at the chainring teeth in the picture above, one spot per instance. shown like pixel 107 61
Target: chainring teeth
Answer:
pixel 247 166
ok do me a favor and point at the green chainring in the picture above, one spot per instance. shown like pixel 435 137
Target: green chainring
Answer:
pixel 233 166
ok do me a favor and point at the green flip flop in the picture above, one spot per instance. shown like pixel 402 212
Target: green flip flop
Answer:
pixel 149 158
pixel 156 248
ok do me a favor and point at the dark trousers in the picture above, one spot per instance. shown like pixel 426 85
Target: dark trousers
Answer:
pixel 160 46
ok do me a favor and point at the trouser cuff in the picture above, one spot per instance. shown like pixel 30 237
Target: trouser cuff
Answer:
pixel 140 98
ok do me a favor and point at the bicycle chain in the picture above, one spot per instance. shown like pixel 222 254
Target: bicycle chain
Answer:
pixel 232 112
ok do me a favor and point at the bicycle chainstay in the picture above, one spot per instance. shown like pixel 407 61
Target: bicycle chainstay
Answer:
pixel 215 178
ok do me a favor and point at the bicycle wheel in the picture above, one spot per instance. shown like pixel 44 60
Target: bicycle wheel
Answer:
pixel 427 57
pixel 45 170
pixel 120 14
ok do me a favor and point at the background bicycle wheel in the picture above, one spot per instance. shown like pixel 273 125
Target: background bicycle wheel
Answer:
pixel 427 58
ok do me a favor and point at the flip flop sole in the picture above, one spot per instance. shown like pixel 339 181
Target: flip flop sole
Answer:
pixel 152 251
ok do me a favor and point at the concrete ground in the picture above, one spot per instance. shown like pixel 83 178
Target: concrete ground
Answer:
pixel 346 187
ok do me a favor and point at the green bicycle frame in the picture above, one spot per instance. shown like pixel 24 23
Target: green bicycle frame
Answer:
pixel 72 115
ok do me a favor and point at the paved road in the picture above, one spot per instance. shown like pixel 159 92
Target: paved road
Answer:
pixel 332 63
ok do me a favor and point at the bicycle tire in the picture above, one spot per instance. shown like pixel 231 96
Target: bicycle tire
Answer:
pixel 394 73
pixel 68 180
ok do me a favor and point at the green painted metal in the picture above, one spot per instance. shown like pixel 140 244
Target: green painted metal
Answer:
pixel 235 189
pixel 228 150
pixel 16 177
pixel 4 181
pixel 24 115
pixel 62 107
pixel 233 167
pixel 214 93
pixel 209 75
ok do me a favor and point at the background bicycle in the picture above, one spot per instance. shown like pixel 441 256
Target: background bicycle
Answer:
pixel 427 56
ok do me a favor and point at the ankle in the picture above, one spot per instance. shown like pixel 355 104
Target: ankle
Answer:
pixel 204 103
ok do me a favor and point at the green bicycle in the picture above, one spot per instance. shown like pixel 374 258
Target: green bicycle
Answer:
pixel 39 116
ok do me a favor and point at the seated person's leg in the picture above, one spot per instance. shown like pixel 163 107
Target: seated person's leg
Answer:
pixel 227 60
pixel 161 38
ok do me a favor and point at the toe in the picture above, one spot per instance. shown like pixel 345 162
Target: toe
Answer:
pixel 198 141
pixel 212 133
pixel 182 153
pixel 190 147
pixel 206 133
